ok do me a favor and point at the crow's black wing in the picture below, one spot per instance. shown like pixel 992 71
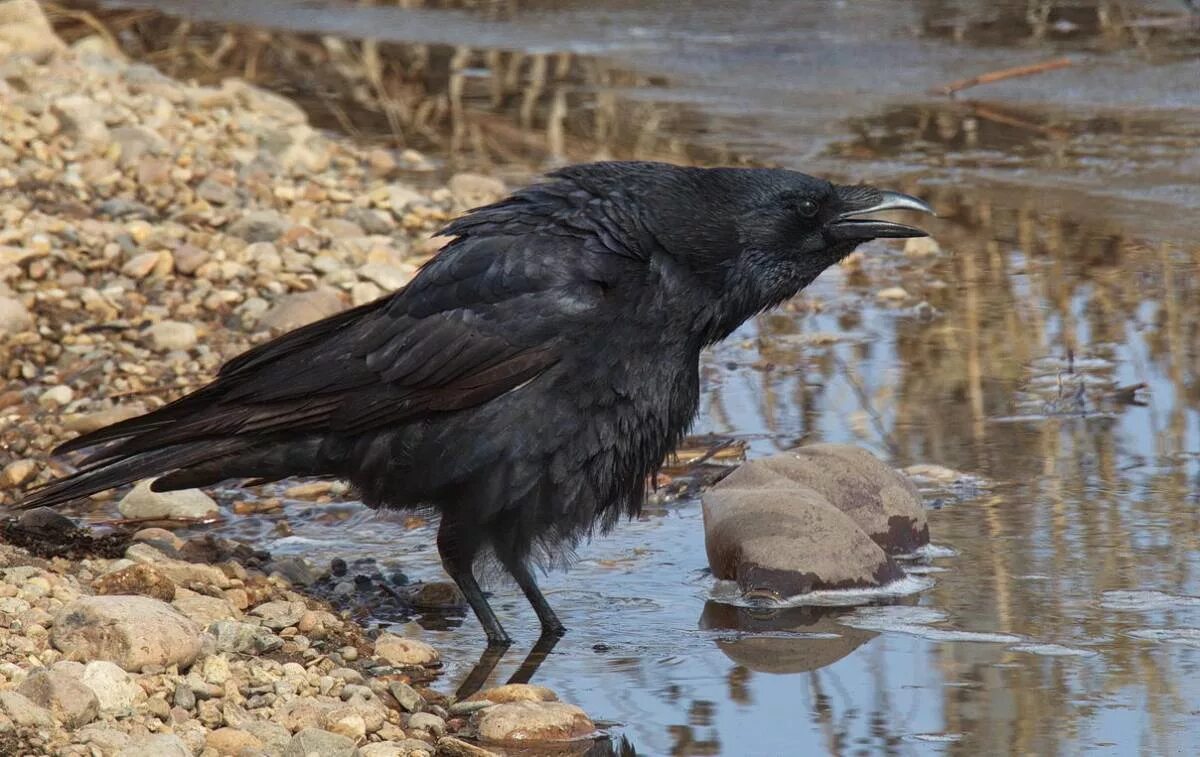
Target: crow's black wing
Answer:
pixel 485 316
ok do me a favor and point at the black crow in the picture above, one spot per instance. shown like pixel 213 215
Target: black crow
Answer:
pixel 532 374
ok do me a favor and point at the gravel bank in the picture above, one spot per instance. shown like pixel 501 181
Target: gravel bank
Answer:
pixel 149 231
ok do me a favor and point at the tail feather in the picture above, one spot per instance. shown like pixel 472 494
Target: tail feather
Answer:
pixel 192 464
pixel 107 474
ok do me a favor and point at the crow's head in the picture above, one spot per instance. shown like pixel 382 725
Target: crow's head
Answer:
pixel 751 237
pixel 771 223
pixel 733 225
pixel 757 236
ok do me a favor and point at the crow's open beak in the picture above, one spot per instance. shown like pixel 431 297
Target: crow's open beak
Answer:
pixel 863 200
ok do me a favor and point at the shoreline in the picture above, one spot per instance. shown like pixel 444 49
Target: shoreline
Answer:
pixel 153 229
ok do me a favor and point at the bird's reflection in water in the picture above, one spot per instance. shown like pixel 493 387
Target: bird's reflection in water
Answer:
pixel 491 656
pixel 782 640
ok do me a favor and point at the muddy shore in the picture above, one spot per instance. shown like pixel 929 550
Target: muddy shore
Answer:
pixel 151 230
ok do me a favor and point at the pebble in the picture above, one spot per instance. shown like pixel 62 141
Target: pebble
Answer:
pixel 236 637
pixel 167 336
pixel 83 117
pixel 23 711
pixel 401 651
pixel 921 247
pixel 892 294
pixel 115 689
pixel 67 698
pixel 156 745
pixel 389 277
pixel 515 692
pixel 345 721
pixel 231 741
pixel 84 423
pixel 406 696
pixel 279 614
pixel 14 317
pixel 472 190
pixel 427 721
pixel 296 310
pixel 180 571
pixel 312 741
pixel 19 471
pixel 143 502
pixel 56 396
pixel 25 30
pixel 136 579
pixel 260 226
pixel 204 609
pixel 184 697
pixel 140 266
pixel 449 746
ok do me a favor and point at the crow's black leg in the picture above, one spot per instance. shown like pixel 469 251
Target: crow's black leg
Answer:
pixel 524 577
pixel 458 558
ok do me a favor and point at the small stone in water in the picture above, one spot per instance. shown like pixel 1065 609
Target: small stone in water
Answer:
pixel 892 294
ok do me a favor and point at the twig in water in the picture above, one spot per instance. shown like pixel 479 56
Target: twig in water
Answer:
pixel 1004 73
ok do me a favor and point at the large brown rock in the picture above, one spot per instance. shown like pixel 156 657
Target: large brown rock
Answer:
pixel 778 536
pixel 880 499
pixel 784 541
pixel 132 631
pixel 524 722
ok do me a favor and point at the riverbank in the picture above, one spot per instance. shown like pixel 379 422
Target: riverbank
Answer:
pixel 151 230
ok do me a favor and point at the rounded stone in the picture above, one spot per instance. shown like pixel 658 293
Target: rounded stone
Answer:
pixel 778 539
pixel 143 502
pixel 133 632
pixel 524 722
pixel 880 499
pixel 401 651
pixel 141 579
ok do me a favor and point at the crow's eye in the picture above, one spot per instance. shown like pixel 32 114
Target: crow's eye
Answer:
pixel 807 208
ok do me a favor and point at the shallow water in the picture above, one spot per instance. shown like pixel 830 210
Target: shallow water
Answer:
pixel 1064 610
